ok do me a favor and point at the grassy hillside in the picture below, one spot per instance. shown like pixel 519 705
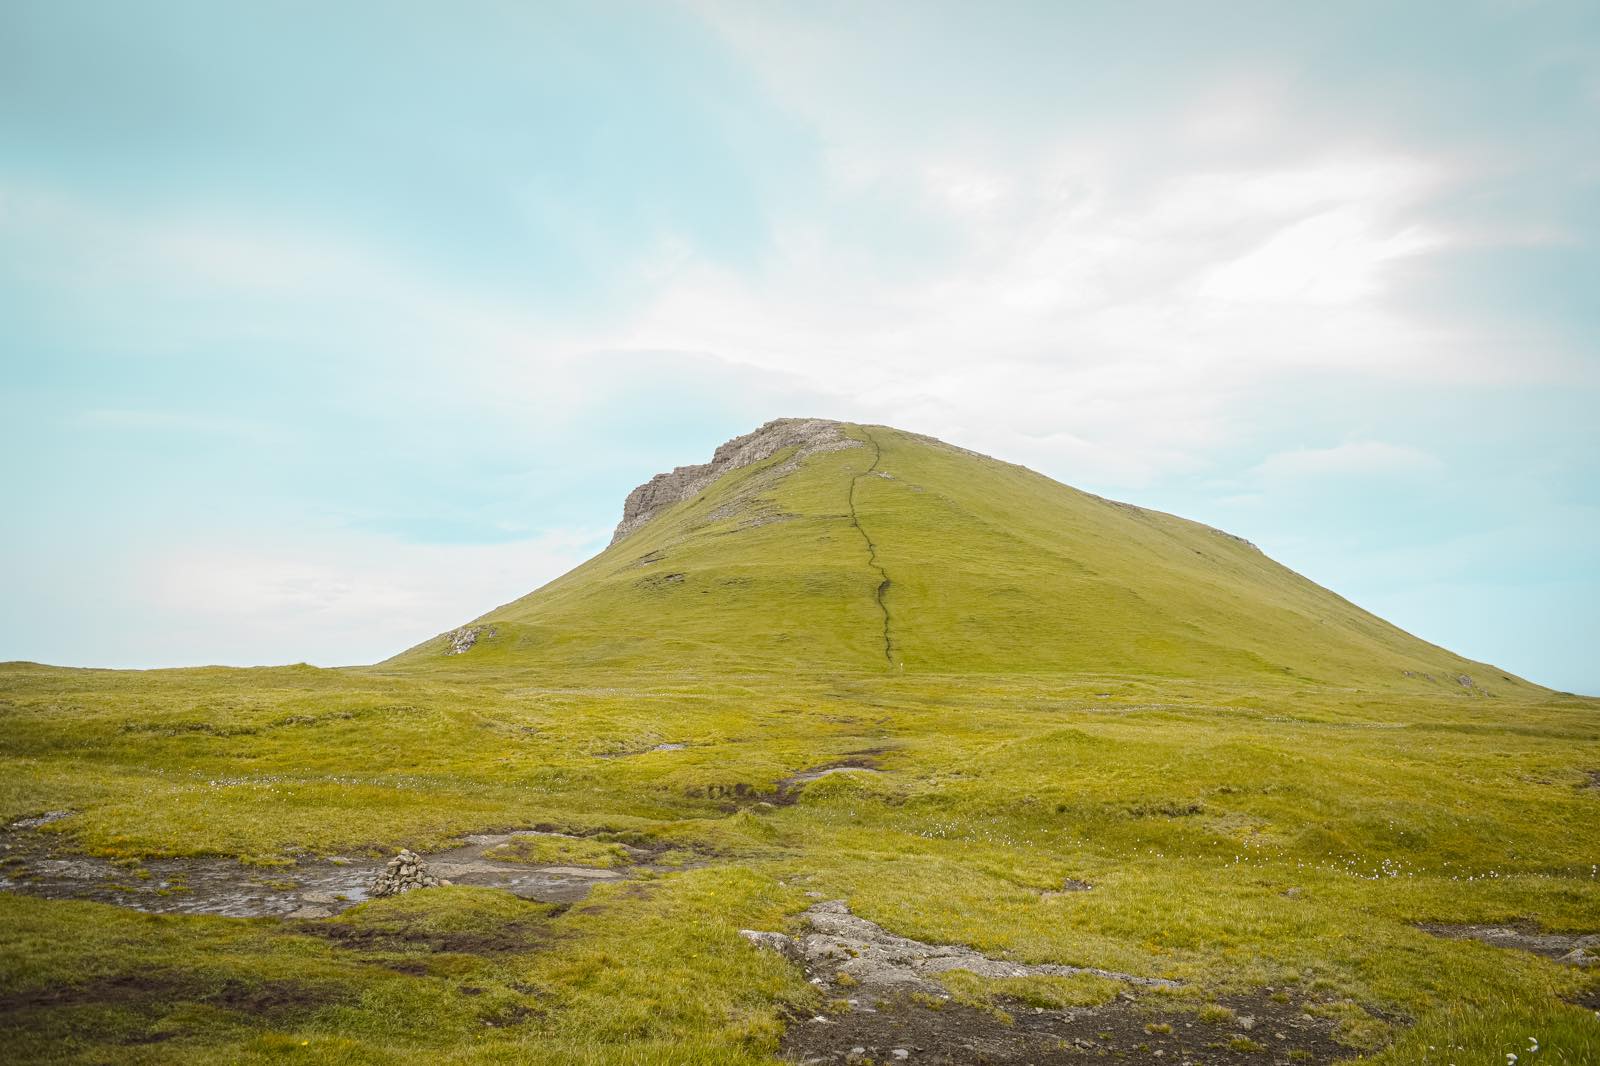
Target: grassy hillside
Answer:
pixel 1265 804
pixel 989 567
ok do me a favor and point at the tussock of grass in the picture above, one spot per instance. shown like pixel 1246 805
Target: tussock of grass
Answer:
pixel 1052 993
pixel 546 850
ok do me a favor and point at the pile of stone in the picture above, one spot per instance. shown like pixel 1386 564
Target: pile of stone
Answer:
pixel 404 872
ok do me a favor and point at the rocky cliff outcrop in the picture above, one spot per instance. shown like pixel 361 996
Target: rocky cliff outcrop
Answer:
pixel 806 435
pixel 460 641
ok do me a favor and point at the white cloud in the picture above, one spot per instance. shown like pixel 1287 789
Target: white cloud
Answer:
pixel 331 597
pixel 1235 113
pixel 1071 319
pixel 1080 325
pixel 1336 257
pixel 1117 290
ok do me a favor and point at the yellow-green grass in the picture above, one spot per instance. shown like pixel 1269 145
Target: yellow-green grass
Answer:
pixel 1055 993
pixel 1235 760
pixel 559 851
pixel 1192 809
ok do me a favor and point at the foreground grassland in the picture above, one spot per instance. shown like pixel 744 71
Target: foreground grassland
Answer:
pixel 1239 835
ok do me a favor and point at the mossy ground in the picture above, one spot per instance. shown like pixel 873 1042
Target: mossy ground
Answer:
pixel 1236 837
pixel 556 850
pixel 1265 786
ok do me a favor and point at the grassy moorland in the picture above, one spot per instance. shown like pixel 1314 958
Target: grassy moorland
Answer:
pixel 1266 786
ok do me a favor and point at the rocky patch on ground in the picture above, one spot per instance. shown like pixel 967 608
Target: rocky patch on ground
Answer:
pixel 37 820
pixel 42 864
pixel 1571 949
pixel 886 1005
pixel 878 963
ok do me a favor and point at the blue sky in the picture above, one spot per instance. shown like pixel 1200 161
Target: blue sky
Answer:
pixel 326 327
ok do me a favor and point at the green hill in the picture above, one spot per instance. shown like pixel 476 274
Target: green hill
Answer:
pixel 814 544
pixel 1162 799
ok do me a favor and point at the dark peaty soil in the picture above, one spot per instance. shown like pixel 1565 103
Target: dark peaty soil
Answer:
pixel 1123 1030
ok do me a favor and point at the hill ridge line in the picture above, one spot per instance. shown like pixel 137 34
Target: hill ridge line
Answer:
pixel 807 436
pixel 872 548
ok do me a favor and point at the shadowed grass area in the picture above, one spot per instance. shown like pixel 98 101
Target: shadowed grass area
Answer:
pixel 1263 786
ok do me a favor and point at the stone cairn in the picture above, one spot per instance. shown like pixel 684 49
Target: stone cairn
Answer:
pixel 404 872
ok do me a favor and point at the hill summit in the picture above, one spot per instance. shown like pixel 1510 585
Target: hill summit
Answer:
pixel 816 544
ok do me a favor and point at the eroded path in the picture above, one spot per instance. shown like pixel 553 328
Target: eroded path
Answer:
pixel 40 864
pixel 877 962
pixel 887 1005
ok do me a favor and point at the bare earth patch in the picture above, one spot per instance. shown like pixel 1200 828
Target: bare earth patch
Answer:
pixel 273 997
pixel 1573 949
pixel 1124 1030
pixel 888 1006
pixel 39 864
pixel 880 962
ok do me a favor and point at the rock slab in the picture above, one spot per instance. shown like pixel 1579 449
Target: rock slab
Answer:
pixel 880 962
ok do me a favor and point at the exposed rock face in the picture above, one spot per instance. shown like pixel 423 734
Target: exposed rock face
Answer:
pixel 880 962
pixel 807 435
pixel 405 871
pixel 462 640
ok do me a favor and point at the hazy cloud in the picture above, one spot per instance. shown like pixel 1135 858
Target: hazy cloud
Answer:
pixel 307 344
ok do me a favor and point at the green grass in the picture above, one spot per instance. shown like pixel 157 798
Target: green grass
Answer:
pixel 1233 758
pixel 1053 993
pixel 556 851
pixel 1193 809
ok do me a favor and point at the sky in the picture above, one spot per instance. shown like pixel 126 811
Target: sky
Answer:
pixel 327 327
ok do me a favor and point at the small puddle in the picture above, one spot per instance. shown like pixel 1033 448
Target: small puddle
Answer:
pixel 36 864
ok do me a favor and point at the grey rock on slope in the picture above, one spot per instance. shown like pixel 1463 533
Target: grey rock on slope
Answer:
pixel 807 435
